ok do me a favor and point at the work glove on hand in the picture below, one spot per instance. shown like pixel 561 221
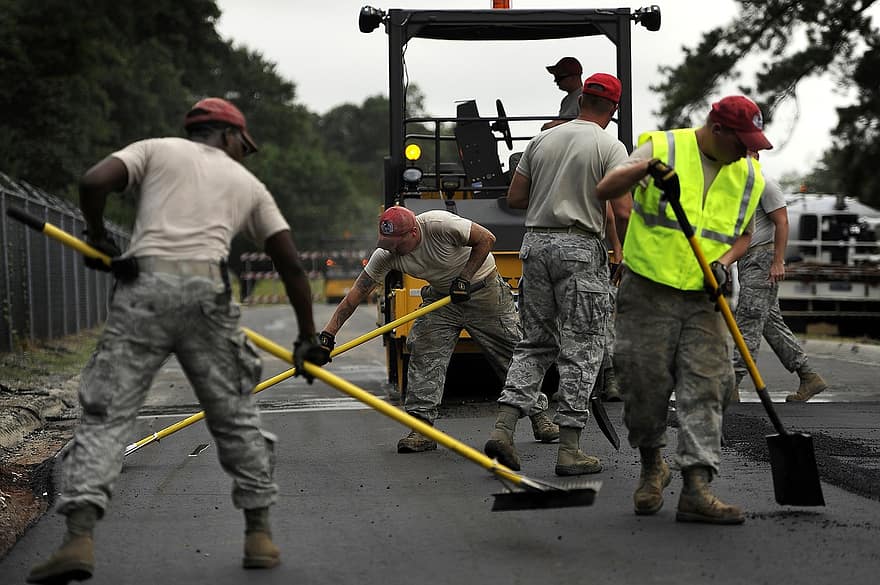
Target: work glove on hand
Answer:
pixel 665 178
pixel 722 277
pixel 326 341
pixel 102 243
pixel 460 290
pixel 306 349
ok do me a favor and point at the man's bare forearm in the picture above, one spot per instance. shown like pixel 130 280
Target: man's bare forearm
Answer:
pixel 362 287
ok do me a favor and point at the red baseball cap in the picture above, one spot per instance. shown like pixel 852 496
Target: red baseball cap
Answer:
pixel 566 66
pixel 603 85
pixel 394 223
pixel 219 110
pixel 743 116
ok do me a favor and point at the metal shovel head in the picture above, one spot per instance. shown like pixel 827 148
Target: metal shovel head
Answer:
pixel 795 475
pixel 602 420
pixel 570 495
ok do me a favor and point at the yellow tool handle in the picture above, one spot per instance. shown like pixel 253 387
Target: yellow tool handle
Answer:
pixel 159 435
pixel 728 315
pixel 386 409
pixel 291 372
pixel 62 236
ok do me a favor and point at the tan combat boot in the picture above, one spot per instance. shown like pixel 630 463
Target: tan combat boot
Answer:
pixel 543 428
pixel 416 443
pixel 648 497
pixel 698 504
pixel 259 550
pixel 571 460
pixel 811 384
pixel 75 559
pixel 500 444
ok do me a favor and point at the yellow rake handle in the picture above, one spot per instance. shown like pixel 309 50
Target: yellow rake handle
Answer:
pixel 159 435
pixel 388 410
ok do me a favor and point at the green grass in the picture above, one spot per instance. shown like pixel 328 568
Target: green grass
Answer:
pixel 38 363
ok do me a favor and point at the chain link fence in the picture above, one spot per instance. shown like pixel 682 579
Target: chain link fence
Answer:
pixel 45 290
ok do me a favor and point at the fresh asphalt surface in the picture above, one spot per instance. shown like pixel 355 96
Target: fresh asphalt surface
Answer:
pixel 352 510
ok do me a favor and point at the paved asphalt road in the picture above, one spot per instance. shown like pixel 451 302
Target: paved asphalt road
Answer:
pixel 354 511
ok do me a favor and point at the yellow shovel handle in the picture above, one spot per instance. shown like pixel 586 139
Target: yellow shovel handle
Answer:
pixel 375 403
pixel 728 316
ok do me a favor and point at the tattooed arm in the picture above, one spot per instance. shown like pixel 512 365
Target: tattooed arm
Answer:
pixel 363 286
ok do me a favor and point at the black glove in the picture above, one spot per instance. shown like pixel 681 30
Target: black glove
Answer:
pixel 722 277
pixel 326 341
pixel 460 290
pixel 665 178
pixel 102 243
pixel 306 349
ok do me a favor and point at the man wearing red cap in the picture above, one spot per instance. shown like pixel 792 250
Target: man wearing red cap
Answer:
pixel 451 253
pixel 565 268
pixel 172 294
pixel 669 335
pixel 568 74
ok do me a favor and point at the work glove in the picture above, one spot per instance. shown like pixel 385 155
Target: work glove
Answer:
pixel 665 178
pixel 104 244
pixel 460 290
pixel 326 341
pixel 307 349
pixel 725 284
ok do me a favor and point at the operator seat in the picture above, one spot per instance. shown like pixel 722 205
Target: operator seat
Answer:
pixel 478 151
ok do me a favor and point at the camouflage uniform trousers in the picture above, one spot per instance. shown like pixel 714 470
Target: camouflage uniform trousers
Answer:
pixel 758 314
pixel 671 340
pixel 564 317
pixel 150 318
pixel 489 317
pixel 607 368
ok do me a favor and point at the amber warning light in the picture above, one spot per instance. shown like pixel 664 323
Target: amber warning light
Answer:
pixel 501 4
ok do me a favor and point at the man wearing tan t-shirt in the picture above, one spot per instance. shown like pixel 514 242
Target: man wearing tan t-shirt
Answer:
pixel 565 268
pixel 172 295
pixel 451 253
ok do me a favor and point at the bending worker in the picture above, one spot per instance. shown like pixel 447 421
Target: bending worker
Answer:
pixel 565 266
pixel 669 335
pixel 451 253
pixel 172 294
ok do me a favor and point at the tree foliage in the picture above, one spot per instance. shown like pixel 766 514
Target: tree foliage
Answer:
pixel 82 79
pixel 792 40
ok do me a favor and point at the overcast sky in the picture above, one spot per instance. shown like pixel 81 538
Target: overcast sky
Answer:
pixel 317 45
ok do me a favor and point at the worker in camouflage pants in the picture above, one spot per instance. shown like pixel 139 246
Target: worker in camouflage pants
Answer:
pixel 172 295
pixel 452 254
pixel 757 310
pixel 565 266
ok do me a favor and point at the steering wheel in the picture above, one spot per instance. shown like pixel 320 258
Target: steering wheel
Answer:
pixel 502 126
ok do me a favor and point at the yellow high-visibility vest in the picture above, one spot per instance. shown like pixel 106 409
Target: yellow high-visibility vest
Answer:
pixel 655 247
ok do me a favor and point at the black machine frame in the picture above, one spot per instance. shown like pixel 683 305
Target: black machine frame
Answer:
pixel 403 25
pixel 442 187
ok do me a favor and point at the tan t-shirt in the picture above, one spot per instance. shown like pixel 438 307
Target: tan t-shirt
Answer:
pixel 563 165
pixel 439 256
pixel 193 199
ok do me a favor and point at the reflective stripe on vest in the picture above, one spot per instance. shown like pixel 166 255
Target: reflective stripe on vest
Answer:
pixel 729 205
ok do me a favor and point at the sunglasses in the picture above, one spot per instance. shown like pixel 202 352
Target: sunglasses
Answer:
pixel 561 77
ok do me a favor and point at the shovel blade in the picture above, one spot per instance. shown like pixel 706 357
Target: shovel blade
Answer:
pixel 795 475
pixel 602 420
